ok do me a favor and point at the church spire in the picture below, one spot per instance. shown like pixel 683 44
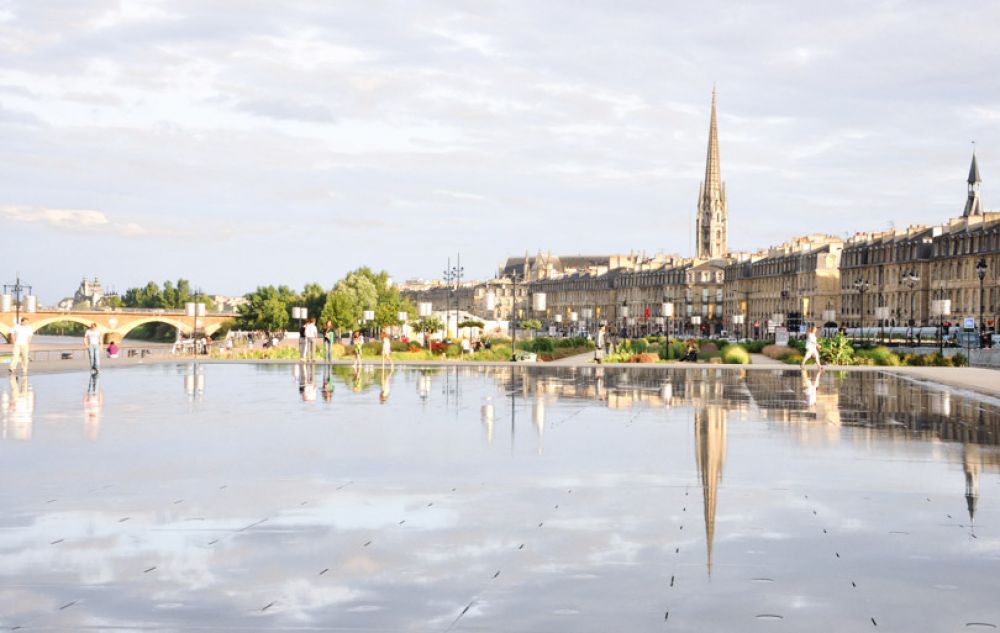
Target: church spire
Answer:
pixel 712 213
pixel 973 205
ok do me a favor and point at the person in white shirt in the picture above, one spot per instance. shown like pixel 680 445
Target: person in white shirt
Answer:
pixel 92 342
pixel 311 332
pixel 21 334
pixel 812 348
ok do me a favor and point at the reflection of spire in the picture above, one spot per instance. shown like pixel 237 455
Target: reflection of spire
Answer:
pixel 710 453
pixel 970 463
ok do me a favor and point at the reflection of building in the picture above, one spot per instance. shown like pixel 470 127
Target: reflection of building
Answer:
pixel 710 455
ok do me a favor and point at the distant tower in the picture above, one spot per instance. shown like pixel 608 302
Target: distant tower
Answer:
pixel 973 206
pixel 710 455
pixel 712 213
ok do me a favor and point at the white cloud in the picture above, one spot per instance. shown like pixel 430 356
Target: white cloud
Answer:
pixel 73 220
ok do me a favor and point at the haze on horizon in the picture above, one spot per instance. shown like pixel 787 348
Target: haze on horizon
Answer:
pixel 239 144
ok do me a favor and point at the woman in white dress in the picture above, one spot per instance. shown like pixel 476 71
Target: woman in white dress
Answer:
pixel 812 348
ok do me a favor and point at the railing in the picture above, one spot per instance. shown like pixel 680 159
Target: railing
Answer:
pixel 165 311
pixel 74 353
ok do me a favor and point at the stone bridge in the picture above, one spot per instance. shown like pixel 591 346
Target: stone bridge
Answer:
pixel 115 324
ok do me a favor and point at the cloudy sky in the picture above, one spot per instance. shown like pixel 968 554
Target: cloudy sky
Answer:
pixel 239 143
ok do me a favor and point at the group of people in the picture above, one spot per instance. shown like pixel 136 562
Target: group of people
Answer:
pixel 309 333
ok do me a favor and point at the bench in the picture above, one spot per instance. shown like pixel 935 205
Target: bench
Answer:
pixel 66 355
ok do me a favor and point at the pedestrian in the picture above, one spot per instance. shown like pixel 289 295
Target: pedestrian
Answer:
pixel 356 343
pixel 386 349
pixel 302 341
pixel 599 346
pixel 812 348
pixel 328 335
pixel 311 334
pixel 92 343
pixel 21 334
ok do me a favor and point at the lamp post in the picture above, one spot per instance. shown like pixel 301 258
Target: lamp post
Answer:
pixel 981 271
pixel 624 315
pixel 861 285
pixel 194 309
pixel 667 312
pixel 941 308
pixel 910 278
pixel 30 302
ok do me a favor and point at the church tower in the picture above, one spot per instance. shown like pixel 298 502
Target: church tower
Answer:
pixel 712 231
pixel 973 206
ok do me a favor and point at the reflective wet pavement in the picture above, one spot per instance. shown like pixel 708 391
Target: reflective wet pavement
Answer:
pixel 492 499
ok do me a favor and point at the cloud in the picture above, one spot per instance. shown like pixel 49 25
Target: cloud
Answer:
pixel 72 220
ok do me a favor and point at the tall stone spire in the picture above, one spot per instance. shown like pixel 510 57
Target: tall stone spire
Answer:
pixel 712 231
pixel 710 455
pixel 973 205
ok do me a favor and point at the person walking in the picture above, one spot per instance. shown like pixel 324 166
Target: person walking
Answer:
pixel 92 343
pixel 386 349
pixel 599 346
pixel 357 343
pixel 328 335
pixel 21 334
pixel 311 333
pixel 812 348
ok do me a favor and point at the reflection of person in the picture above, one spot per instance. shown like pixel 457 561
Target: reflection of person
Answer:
pixel 811 386
pixel 93 401
pixel 21 334
pixel 92 342
pixel 356 385
pixel 327 385
pixel 18 407
pixel 812 348
pixel 383 395
pixel 307 382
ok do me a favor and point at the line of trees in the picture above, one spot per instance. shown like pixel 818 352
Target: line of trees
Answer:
pixel 270 308
pixel 170 297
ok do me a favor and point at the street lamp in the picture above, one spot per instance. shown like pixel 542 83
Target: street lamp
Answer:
pixel 624 315
pixel 30 301
pixel 194 309
pixel 981 271
pixel 667 312
pixel 910 278
pixel 941 308
pixel 861 285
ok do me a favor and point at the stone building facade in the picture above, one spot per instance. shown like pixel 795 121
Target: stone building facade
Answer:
pixel 791 285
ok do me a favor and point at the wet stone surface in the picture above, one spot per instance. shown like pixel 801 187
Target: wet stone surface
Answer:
pixel 492 499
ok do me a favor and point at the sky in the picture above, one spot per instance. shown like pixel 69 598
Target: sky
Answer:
pixel 238 143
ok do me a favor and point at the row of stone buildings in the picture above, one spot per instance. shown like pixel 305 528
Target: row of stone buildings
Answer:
pixel 889 278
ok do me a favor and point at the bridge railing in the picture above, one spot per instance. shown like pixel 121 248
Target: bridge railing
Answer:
pixel 75 353
pixel 163 311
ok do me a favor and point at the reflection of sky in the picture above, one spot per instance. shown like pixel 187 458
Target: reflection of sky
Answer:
pixel 247 507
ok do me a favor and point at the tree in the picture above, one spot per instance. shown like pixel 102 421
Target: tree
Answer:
pixel 531 325
pixel 340 309
pixel 428 325
pixel 314 298
pixel 267 308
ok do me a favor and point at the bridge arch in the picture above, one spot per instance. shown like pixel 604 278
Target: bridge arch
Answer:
pixel 37 324
pixel 180 325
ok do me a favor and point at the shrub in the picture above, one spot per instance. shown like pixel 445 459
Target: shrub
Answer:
pixel 884 357
pixel 646 358
pixel 778 352
pixel 371 348
pixel 792 359
pixel 708 349
pixel 959 360
pixel 338 350
pixel 735 355
pixel 542 344
pixel 453 350
pixel 836 350
pixel 639 345
pixel 754 347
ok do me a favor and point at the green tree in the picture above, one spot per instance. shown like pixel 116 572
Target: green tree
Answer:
pixel 314 298
pixel 341 309
pixel 428 325
pixel 267 308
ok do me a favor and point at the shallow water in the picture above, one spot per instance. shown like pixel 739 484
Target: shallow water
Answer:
pixel 489 499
